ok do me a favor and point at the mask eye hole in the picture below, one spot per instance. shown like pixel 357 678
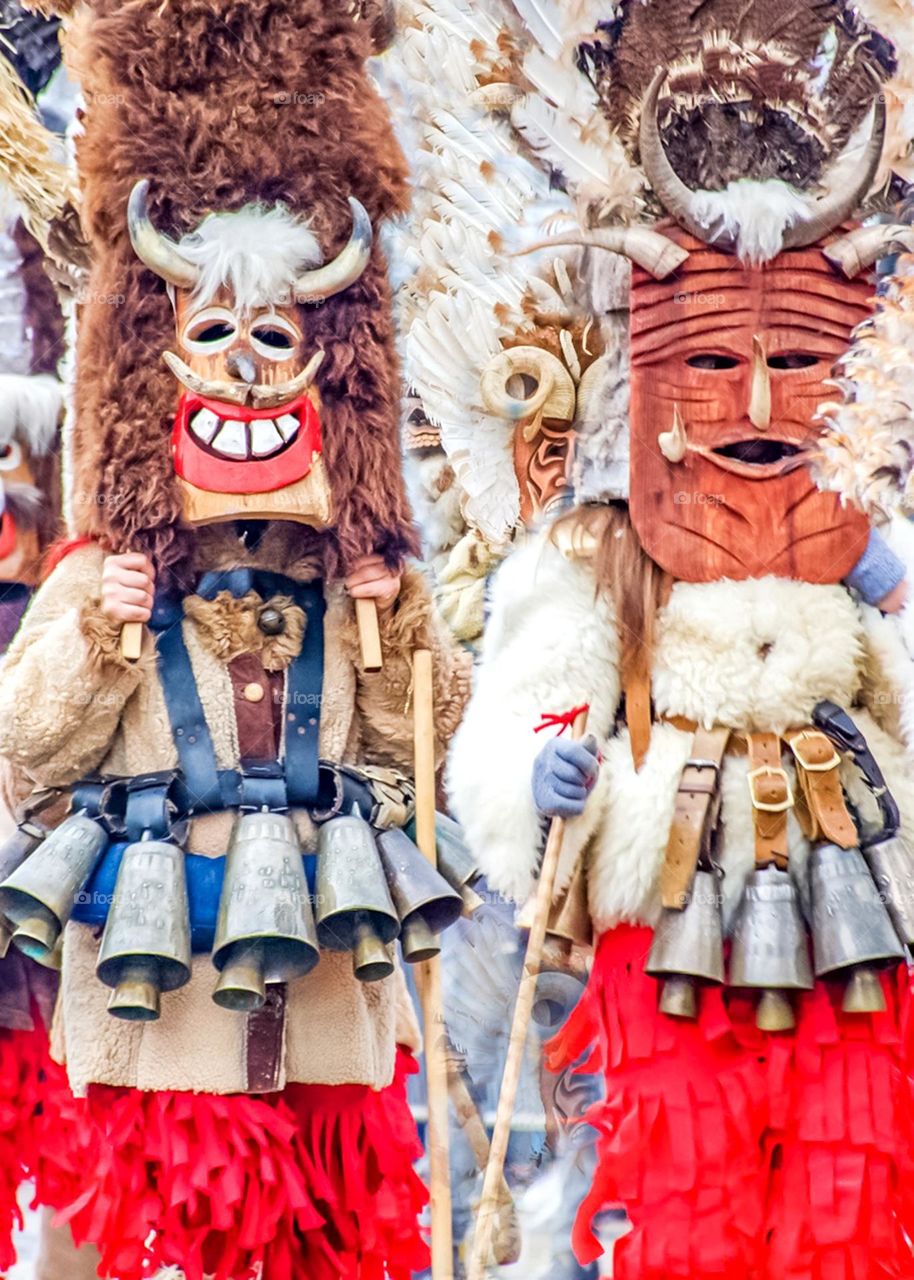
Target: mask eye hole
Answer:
pixel 712 360
pixel 793 360
pixel 10 456
pixel 274 337
pixel 211 330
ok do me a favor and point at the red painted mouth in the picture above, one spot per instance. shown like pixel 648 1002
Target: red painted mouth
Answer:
pixel 227 448
pixel 7 535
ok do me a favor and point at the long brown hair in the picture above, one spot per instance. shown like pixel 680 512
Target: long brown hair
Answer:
pixel 624 572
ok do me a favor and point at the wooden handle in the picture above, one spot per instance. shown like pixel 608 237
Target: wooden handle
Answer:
pixel 429 981
pixel 523 1008
pixel 131 641
pixel 366 615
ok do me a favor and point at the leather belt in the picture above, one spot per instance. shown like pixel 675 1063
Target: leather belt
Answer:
pixel 821 809
pixel 769 790
pixel 694 816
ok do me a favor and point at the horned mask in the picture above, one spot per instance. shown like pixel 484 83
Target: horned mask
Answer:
pixel 247 436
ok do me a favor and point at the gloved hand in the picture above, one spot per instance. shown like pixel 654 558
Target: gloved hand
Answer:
pixel 563 774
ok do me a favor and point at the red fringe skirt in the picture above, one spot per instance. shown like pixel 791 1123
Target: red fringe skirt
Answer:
pixel 739 1154
pixel 27 1077
pixel 317 1181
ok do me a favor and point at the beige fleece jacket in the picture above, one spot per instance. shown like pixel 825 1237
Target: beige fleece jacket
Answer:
pixel 70 704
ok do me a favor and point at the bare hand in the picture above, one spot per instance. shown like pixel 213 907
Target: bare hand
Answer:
pixel 372 580
pixel 896 600
pixel 128 582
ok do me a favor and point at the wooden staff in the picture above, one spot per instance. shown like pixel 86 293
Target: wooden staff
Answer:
pixel 523 1008
pixel 131 641
pixel 429 981
pixel 366 616
pixel 506 1238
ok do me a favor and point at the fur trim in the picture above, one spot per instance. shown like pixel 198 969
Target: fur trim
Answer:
pixel 257 252
pixel 549 645
pixel 30 409
pixel 229 627
pixel 755 215
pixel 757 654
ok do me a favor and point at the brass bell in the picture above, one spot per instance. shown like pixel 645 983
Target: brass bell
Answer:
pixel 13 852
pixel 265 928
pixel 688 948
pixel 891 865
pixel 770 950
pixel 455 862
pixel 852 932
pixel 425 902
pixel 146 944
pixel 355 911
pixel 23 842
pixel 38 898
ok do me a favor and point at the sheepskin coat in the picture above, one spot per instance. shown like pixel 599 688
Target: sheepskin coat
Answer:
pixel 754 655
pixel 70 704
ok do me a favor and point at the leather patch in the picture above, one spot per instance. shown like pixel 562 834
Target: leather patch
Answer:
pixel 258 719
pixel 263 1043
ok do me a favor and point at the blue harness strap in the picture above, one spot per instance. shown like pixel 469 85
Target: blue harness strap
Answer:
pixel 201 786
pixel 207 789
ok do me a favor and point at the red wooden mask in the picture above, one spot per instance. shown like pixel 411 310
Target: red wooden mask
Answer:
pixel 728 366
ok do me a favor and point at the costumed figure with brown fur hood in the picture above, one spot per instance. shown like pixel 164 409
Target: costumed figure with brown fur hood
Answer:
pixel 738 814
pixel 230 880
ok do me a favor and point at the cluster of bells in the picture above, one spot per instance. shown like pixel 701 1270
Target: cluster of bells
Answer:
pixel 860 910
pixel 372 888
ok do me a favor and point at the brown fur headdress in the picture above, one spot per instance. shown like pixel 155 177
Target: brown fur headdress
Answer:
pixel 220 103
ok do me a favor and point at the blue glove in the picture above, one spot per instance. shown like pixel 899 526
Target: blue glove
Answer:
pixel 563 774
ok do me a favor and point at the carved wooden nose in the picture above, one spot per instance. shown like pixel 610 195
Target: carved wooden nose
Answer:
pixel 760 391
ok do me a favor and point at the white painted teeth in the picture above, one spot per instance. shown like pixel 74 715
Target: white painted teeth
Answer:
pixel 288 425
pixel 265 438
pixel 205 424
pixel 235 439
pixel 232 439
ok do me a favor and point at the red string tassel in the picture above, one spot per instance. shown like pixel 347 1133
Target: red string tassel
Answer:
pixel 315 1181
pixel 742 1155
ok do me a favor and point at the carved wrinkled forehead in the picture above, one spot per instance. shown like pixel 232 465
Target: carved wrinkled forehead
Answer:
pixel 713 299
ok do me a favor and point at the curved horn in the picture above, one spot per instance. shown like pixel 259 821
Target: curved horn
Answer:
pixel 159 253
pixel 669 188
pixel 863 246
pixel 323 282
pixel 656 253
pixel 554 396
pixel 679 200
pixel 831 209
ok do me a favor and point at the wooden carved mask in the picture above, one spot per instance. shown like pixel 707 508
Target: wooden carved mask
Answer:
pixel 728 366
pixel 247 437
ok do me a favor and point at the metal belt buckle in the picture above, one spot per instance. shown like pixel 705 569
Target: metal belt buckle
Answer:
pixel 769 771
pixel 825 767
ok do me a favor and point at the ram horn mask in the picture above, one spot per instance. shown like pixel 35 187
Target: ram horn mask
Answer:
pixel 553 397
pixel 825 213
